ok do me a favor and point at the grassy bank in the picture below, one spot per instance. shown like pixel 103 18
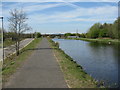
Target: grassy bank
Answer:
pixel 107 41
pixel 8 42
pixel 12 63
pixel 74 74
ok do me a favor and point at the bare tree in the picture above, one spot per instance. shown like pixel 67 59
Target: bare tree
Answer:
pixel 17 25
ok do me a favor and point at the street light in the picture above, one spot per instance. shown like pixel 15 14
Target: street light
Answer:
pixel 2 38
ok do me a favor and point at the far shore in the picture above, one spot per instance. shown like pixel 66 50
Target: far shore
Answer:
pixel 102 40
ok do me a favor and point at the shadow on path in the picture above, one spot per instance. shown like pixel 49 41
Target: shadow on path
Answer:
pixel 41 70
pixel 40 49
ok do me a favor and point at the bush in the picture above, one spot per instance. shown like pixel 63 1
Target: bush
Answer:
pixel 38 35
pixel 56 44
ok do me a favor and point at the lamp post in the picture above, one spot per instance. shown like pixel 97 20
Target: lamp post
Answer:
pixel 2 38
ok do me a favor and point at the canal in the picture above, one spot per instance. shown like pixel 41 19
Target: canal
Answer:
pixel 97 59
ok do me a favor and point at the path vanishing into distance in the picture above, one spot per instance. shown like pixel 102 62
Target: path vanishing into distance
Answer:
pixel 41 70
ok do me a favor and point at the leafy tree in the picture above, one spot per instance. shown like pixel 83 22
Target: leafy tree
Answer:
pixel 94 31
pixel 115 30
pixel 103 33
pixel 38 35
pixel 118 27
pixel 68 34
pixel 83 35
pixel 105 30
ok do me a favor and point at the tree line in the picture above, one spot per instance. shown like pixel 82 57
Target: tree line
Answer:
pixel 12 35
pixel 99 30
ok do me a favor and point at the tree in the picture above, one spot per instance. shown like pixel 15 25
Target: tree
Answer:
pixel 103 33
pixel 17 25
pixel 116 29
pixel 38 35
pixel 94 31
pixel 67 34
pixel 105 30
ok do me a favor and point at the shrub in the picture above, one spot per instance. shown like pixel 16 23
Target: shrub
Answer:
pixel 38 35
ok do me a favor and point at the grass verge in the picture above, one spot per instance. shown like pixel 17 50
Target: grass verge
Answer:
pixel 8 42
pixel 74 74
pixel 106 41
pixel 11 64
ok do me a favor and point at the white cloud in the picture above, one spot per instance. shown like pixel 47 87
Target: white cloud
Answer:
pixel 40 7
pixel 29 8
pixel 81 14
pixel 77 14
pixel 60 0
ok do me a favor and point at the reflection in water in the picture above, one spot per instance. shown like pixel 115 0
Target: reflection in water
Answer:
pixel 98 60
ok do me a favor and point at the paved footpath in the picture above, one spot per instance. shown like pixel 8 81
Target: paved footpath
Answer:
pixel 41 70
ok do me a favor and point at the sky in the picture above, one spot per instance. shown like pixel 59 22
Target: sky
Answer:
pixel 62 16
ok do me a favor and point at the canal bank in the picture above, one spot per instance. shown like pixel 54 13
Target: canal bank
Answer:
pixel 74 74
pixel 104 40
pixel 99 60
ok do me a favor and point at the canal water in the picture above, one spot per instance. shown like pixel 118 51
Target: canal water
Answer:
pixel 97 59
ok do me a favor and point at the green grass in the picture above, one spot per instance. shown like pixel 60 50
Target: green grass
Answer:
pixel 11 64
pixel 112 41
pixel 74 74
pixel 8 42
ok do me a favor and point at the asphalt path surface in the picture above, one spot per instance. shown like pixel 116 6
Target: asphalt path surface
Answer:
pixel 40 70
pixel 11 49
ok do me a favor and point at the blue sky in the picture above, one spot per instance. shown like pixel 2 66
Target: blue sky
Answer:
pixel 62 17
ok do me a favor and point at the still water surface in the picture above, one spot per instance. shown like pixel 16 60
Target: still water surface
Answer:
pixel 98 60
